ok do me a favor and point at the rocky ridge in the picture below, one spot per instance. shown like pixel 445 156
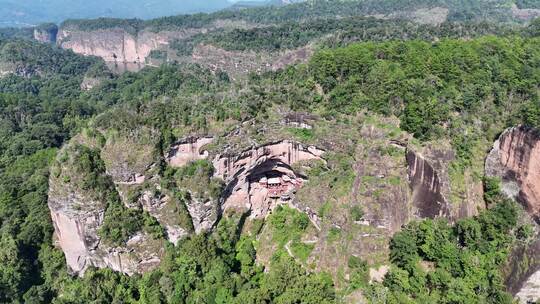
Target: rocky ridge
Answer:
pixel 78 213
pixel 387 204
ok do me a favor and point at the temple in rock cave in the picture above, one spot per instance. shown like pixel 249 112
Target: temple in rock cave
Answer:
pixel 280 186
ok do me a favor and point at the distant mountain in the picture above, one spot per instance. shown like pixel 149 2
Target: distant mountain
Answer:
pixel 32 12
pixel 248 4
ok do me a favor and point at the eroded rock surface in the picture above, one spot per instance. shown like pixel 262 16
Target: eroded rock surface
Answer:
pixel 46 33
pixel 89 83
pixel 188 150
pixel 238 63
pixel 523 273
pixel 515 158
pixel 77 211
pixel 427 187
pixel 118 45
pixel 250 176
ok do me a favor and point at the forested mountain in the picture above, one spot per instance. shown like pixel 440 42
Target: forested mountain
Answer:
pixel 25 13
pixel 305 153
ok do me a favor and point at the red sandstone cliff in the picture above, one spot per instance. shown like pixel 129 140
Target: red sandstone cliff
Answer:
pixel 516 159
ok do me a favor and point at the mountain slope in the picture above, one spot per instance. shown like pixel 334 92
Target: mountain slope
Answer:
pixel 20 13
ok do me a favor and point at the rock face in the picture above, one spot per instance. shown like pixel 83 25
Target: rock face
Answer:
pixel 429 180
pixel 46 33
pixel 204 214
pixel 239 63
pixel 78 213
pixel 515 158
pixel 130 51
pixel 426 186
pixel 89 83
pixel 188 150
pixel 118 45
pixel 248 175
pixel 523 273
pixel 525 14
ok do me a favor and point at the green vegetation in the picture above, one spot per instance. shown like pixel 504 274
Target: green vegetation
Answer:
pixel 439 86
pixel 32 58
pixel 357 213
pixel 459 10
pixel 218 268
pixel 48 27
pixel 290 35
pixel 16 33
pixel 465 260
pixel 525 4
pixel 132 26
pixel 359 272
pixel 423 83
pixel 303 135
pixel 288 225
pixel 195 177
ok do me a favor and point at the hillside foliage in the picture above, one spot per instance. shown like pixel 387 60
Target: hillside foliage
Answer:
pixel 437 84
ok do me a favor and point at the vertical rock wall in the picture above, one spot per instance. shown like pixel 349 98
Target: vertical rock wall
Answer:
pixel 116 44
pixel 426 186
pixel 46 33
pixel 515 158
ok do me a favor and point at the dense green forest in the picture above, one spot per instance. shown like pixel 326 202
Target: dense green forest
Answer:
pixel 437 84
pixel 32 12
pixel 335 32
pixel 459 10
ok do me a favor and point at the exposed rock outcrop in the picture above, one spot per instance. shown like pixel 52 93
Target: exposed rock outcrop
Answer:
pixel 77 211
pixel 89 83
pixel 427 188
pixel 523 273
pixel 433 16
pixel 204 213
pixel 188 150
pixel 243 174
pixel 118 45
pixel 524 14
pixel 166 211
pixel 515 158
pixel 238 63
pixel 299 120
pixel 46 33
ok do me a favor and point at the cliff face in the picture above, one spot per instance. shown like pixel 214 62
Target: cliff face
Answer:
pixel 77 211
pixel 523 273
pixel 431 186
pixel 46 33
pixel 242 174
pixel 120 47
pixel 515 158
pixel 129 169
pixel 188 150
pixel 117 45
pixel 427 187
